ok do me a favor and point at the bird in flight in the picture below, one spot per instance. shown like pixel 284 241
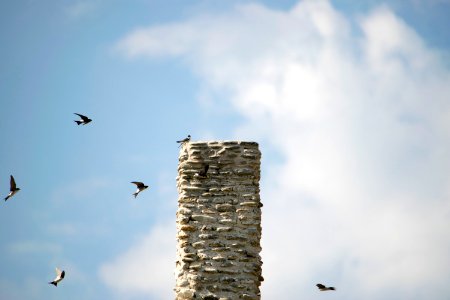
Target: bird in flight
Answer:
pixel 185 140
pixel 203 172
pixel 140 187
pixel 59 276
pixel 325 288
pixel 12 188
pixel 84 120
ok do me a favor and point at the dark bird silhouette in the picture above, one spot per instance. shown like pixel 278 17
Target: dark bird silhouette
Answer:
pixel 203 172
pixel 140 187
pixel 186 140
pixel 13 189
pixel 325 288
pixel 59 276
pixel 84 120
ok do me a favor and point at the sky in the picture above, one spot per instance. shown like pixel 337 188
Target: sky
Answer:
pixel 348 100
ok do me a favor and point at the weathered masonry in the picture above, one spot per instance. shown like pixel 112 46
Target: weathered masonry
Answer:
pixel 218 221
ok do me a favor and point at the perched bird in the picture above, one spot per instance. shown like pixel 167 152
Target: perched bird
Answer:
pixel 59 276
pixel 84 120
pixel 325 288
pixel 140 187
pixel 12 188
pixel 203 172
pixel 186 140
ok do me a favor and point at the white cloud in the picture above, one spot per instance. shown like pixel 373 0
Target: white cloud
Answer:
pixel 362 119
pixel 146 268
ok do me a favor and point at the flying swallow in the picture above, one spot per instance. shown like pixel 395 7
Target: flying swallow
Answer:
pixel 203 172
pixel 12 188
pixel 186 140
pixel 59 276
pixel 140 187
pixel 325 288
pixel 84 120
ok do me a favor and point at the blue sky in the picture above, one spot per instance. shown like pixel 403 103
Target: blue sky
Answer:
pixel 349 103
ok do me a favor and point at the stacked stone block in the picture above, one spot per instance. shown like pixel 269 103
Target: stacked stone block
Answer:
pixel 219 221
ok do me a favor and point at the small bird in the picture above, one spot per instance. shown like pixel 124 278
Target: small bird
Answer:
pixel 59 276
pixel 203 172
pixel 12 188
pixel 84 120
pixel 140 187
pixel 186 140
pixel 325 288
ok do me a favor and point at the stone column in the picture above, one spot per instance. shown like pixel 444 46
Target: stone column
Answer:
pixel 218 221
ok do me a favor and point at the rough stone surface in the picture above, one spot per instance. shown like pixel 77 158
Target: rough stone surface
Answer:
pixel 219 221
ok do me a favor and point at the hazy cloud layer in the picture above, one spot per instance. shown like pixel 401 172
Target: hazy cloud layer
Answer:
pixel 31 247
pixel 82 8
pixel 358 109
